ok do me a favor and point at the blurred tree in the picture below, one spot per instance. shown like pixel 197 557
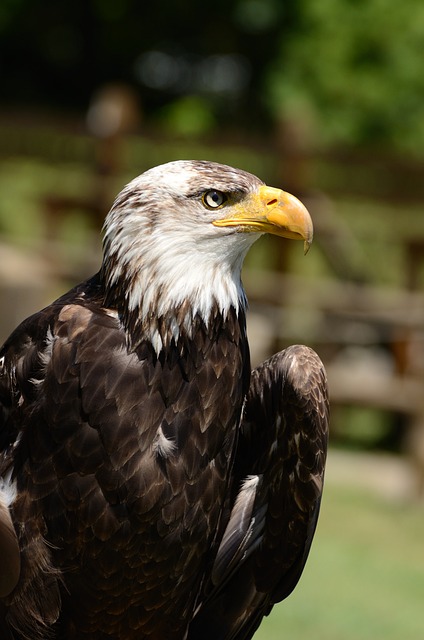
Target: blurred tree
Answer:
pixel 355 66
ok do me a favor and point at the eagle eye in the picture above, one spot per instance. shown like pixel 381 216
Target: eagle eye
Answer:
pixel 213 199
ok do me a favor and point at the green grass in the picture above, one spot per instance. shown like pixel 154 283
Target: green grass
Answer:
pixel 365 576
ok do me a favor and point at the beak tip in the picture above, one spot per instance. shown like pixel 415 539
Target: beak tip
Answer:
pixel 308 239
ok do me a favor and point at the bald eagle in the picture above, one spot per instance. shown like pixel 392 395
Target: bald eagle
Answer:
pixel 152 485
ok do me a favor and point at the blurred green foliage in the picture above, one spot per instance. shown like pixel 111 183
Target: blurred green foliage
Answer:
pixel 356 68
pixel 352 69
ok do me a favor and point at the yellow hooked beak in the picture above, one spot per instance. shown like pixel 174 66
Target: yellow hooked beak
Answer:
pixel 270 210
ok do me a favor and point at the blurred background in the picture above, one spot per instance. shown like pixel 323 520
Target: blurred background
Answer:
pixel 324 99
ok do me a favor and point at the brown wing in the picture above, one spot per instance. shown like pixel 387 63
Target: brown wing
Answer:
pixel 120 461
pixel 278 480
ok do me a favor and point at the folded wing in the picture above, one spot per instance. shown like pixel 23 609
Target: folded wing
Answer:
pixel 277 488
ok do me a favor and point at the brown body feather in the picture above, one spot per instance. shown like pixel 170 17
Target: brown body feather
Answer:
pixel 96 497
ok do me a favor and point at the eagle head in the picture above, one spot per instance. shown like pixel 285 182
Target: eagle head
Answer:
pixel 175 240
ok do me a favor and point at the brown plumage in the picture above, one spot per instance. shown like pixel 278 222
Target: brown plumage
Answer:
pixel 152 486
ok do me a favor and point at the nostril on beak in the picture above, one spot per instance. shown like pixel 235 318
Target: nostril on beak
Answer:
pixel 271 202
